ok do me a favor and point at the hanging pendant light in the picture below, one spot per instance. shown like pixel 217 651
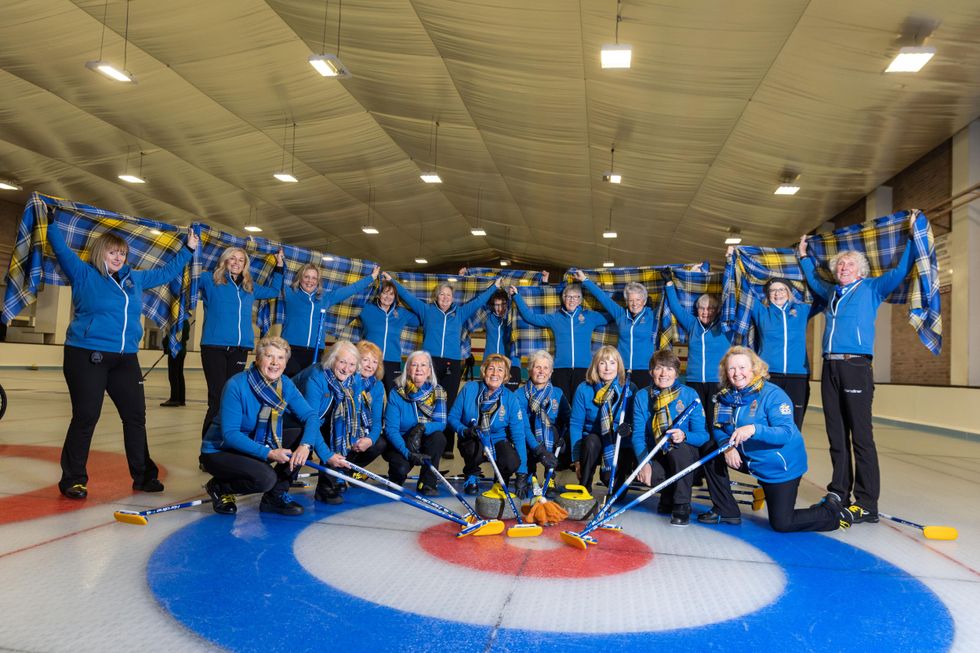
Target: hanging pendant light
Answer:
pixel 110 70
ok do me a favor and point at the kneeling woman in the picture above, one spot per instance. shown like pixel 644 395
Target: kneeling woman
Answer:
pixel 414 422
pixel 247 434
pixel 485 412
pixel 756 417
pixel 546 414
pixel 654 408
pixel 600 402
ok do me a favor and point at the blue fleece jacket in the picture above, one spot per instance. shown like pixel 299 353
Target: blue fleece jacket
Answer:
pixel 312 382
pixel 782 333
pixel 558 409
pixel 228 309
pixel 507 424
pixel 384 328
pixel 637 333
pixel 107 308
pixel 400 416
pixel 706 345
pixel 443 331
pixel 776 453
pixel 303 311
pixel 852 309
pixel 235 426
pixel 572 332
pixel 695 431
pixel 499 336
pixel 585 415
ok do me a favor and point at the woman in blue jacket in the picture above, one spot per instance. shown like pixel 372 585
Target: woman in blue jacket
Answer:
pixel 654 409
pixel 248 434
pixel 228 294
pixel 415 419
pixel 572 328
pixel 382 322
pixel 487 413
pixel 546 414
pixel 304 300
pixel 442 335
pixel 756 417
pixel 600 409
pixel 101 352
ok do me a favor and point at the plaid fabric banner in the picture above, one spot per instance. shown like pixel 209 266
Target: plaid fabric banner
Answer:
pixel 423 286
pixel 508 276
pixel 151 244
pixel 527 337
pixel 882 241
pixel 690 283
pixel 746 274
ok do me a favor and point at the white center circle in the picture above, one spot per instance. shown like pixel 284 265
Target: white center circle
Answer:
pixel 387 566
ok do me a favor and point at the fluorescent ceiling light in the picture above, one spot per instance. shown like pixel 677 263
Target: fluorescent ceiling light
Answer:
pixel 252 228
pixel 504 262
pixel 452 279
pixel 111 71
pixel 608 264
pixel 478 231
pixel 286 177
pixel 911 59
pixel 329 65
pixel 9 184
pixel 734 240
pixel 787 189
pixel 431 177
pixel 421 260
pixel 327 257
pixel 610 234
pixel 615 55
pixel 368 229
pixel 132 179
pixel 612 177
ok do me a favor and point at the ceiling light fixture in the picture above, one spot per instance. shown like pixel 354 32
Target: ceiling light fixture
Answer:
pixel 131 178
pixel 504 262
pixel 421 260
pixel 788 183
pixel 284 175
pixel 369 228
pixel 252 228
pixel 608 264
pixel 106 68
pixel 478 230
pixel 911 59
pixel 734 236
pixel 432 177
pixel 609 233
pixel 330 65
pixel 616 55
pixel 610 176
pixel 10 184
pixel 326 258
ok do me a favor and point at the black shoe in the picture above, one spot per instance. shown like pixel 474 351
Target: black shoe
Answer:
pixel 328 493
pixel 833 503
pixel 862 516
pixel 680 520
pixel 223 504
pixel 448 455
pixel 712 517
pixel 664 508
pixel 280 502
pixel 152 485
pixel 472 484
pixel 824 499
pixel 76 491
pixel 171 403
pixel 426 490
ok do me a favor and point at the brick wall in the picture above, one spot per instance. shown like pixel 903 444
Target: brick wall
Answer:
pixel 912 363
pixel 925 183
pixel 854 214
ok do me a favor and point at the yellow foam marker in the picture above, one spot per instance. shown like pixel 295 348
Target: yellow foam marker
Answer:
pixel 758 498
pixel 129 517
pixel 940 532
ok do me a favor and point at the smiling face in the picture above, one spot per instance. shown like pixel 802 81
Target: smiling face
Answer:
pixel 344 365
pixel 387 297
pixel 309 281
pixel 706 312
pixel 540 372
pixel 494 375
pixel 419 370
pixel 664 376
pixel 235 263
pixel 271 363
pixel 635 302
pixel 115 258
pixel 499 307
pixel 778 294
pixel 369 365
pixel 571 300
pixel 739 370
pixel 847 270
pixel 444 298
pixel 608 369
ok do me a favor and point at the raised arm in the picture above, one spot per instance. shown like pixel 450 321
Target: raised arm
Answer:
pixel 818 286
pixel 614 309
pixel 469 309
pixel 332 297
pixel 73 266
pixel 413 303
pixel 684 317
pixel 163 274
pixel 889 281
pixel 535 319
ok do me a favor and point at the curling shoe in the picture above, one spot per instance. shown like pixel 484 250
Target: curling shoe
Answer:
pixel 712 517
pixel 833 503
pixel 152 485
pixel 472 484
pixel 862 516
pixel 426 490
pixel 76 491
pixel 223 504
pixel 280 502
pixel 328 493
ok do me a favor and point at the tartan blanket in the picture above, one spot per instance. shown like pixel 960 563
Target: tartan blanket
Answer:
pixel 882 241
pixel 151 244
pixel 690 282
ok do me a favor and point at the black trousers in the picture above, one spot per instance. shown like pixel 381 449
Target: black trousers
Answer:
pixel 299 359
pixel 664 465
pixel 433 444
pixel 640 378
pixel 175 374
pixel 717 467
pixel 448 373
pixel 706 392
pixel 359 458
pixel 590 457
pixel 239 473
pixel 515 378
pixel 88 381
pixel 785 518
pixel 503 451
pixel 568 379
pixel 391 371
pixel 847 389
pixel 798 389
pixel 719 484
pixel 220 364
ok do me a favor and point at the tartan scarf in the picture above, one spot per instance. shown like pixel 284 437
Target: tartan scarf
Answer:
pixel 364 406
pixel 430 402
pixel 343 424
pixel 729 398
pixel 537 405
pixel 273 406
pixel 607 398
pixel 662 398
pixel 489 402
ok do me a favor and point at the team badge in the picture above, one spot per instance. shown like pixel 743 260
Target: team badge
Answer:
pixel 554 404
pixel 581 318
pixel 785 409
pixel 792 312
pixel 503 412
pixel 752 407
pixel 680 406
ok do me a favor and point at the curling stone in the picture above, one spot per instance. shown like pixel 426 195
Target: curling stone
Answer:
pixel 577 502
pixel 492 504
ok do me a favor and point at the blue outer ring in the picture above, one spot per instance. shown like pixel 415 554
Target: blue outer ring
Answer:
pixel 238 584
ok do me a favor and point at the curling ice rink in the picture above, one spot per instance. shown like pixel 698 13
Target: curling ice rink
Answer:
pixel 370 573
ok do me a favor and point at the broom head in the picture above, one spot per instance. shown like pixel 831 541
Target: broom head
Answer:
pixel 129 517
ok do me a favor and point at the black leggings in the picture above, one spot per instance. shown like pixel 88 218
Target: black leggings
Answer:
pixel 220 364
pixel 433 444
pixel 448 373
pixel 299 359
pixel 503 452
pixel 591 457
pixel 90 375
pixel 238 473
pixel 667 464
pixel 785 518
pixel 798 389
pixel 175 374
pixel 567 379
pixel 392 370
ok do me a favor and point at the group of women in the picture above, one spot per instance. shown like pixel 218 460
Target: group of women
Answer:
pixel 354 405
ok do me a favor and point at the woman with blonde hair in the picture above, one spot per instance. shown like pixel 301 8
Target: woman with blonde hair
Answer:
pixel 546 413
pixel 599 409
pixel 228 294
